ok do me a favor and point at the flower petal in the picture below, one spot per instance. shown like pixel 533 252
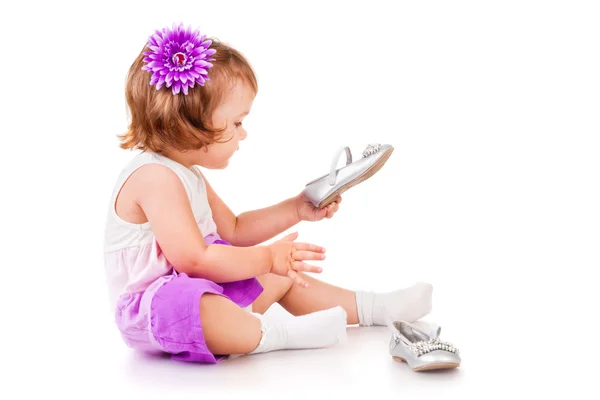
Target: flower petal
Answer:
pixel 154 56
pixel 177 88
pixel 155 64
pixel 158 38
pixel 169 78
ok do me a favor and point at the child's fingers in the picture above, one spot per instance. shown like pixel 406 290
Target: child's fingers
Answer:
pixel 296 278
pixel 321 214
pixel 309 247
pixel 308 255
pixel 292 236
pixel 300 266
pixel 331 210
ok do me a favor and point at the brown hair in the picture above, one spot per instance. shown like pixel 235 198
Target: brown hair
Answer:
pixel 183 122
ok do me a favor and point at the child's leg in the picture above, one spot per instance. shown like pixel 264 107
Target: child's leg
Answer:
pixel 228 329
pixel 300 301
pixel 364 308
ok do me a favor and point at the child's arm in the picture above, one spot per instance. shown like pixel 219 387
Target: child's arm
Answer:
pixel 252 227
pixel 257 226
pixel 163 199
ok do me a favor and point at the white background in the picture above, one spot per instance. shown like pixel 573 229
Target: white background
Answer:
pixel 491 195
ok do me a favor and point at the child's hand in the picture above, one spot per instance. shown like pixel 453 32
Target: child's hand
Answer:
pixel 307 212
pixel 287 258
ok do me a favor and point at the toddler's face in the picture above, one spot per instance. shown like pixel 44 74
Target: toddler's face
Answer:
pixel 236 106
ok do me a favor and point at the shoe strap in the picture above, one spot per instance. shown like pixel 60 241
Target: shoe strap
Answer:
pixel 334 163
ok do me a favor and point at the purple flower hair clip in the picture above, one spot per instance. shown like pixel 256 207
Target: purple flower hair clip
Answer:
pixel 178 58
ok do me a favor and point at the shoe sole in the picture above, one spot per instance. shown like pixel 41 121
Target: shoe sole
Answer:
pixel 365 175
pixel 429 367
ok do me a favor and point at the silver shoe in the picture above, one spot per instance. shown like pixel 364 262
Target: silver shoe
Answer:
pixel 420 350
pixel 327 188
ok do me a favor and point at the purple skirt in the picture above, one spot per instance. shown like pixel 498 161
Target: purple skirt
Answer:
pixel 165 318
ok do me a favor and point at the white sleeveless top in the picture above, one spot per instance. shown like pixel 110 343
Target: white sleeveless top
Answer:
pixel 132 257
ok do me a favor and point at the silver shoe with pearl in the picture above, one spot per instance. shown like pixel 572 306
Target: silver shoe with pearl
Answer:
pixel 422 350
pixel 327 188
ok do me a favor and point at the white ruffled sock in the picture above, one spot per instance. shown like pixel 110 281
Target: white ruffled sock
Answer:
pixel 310 331
pixel 408 304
